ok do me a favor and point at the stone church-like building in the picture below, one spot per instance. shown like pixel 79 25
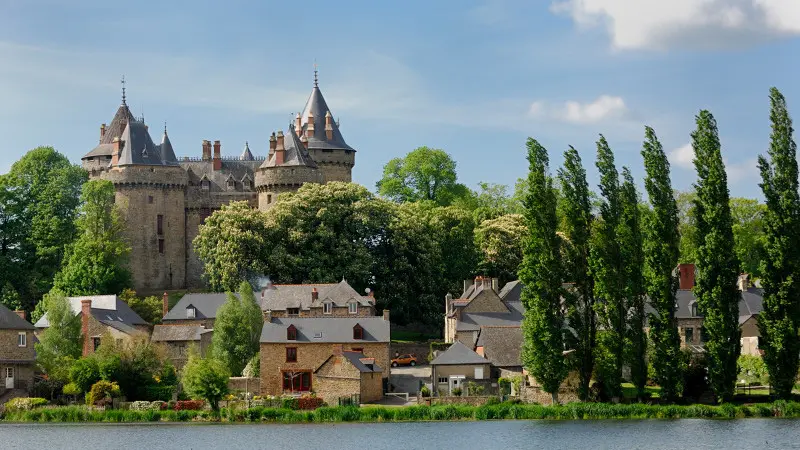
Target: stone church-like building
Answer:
pixel 164 199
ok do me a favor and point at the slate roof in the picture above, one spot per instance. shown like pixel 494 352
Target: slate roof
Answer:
pixel 9 320
pixel 138 148
pixel 326 329
pixel 458 354
pixel 118 124
pixel 355 359
pixel 316 104
pixel 501 345
pixel 751 303
pixel 106 309
pixel 240 169
pixel 166 151
pixel 473 321
pixel 206 306
pixel 295 153
pixel 511 292
pixel 247 155
pixel 279 297
pixel 173 333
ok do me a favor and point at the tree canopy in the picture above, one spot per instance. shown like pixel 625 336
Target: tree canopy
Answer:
pixel 237 329
pixel 424 174
pixel 61 343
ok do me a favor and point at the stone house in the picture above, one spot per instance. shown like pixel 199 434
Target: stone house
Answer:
pixel 457 367
pixel 17 355
pixel 348 372
pixel 482 304
pixel 198 309
pixel 177 340
pixel 316 300
pixel 295 349
pixel 103 315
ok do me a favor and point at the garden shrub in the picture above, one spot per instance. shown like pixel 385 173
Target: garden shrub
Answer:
pixel 146 406
pixel 425 392
pixel 102 393
pixel 24 403
pixel 190 405
pixel 309 403
pixel 289 403
pixel 71 389
pixel 457 392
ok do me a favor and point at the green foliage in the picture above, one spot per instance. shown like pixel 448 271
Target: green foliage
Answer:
pixel 101 391
pixel 424 174
pixel 425 392
pixel 542 276
pixel 752 370
pixel 24 404
pixel 10 297
pixel 661 247
pixel 72 389
pixel 137 365
pixel 748 234
pixel 499 241
pixel 61 343
pixel 148 308
pixel 205 378
pixel 715 289
pixel 84 373
pixel 237 329
pixel 96 262
pixel 475 389
pixel 253 367
pixel 780 320
pixel 456 392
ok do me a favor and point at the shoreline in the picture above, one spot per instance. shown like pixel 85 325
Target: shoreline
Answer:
pixel 418 413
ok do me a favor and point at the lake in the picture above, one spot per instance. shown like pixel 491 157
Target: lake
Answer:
pixel 612 434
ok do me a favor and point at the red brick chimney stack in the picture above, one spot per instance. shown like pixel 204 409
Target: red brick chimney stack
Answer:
pixel 164 304
pixel 206 150
pixel 310 125
pixel 102 131
pixel 328 126
pixel 273 142
pixel 117 150
pixel 279 149
pixel 686 276
pixel 217 161
pixel 314 294
pixel 20 313
pixel 86 312
pixel 298 125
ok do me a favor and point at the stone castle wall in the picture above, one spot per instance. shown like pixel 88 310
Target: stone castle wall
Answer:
pixel 336 165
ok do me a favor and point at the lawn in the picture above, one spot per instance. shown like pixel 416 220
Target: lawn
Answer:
pixel 629 390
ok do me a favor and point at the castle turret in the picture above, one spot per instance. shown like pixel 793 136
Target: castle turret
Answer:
pixel 246 154
pixel 288 168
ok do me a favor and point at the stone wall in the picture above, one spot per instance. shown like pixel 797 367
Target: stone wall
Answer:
pixel 419 349
pixel 244 384
pixel 178 351
pixel 695 324
pixel 336 165
pixel 23 375
pixel 461 400
pixel 371 387
pixel 336 378
pixel 535 394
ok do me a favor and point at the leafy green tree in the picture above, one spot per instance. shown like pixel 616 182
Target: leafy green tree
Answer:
pixel 661 250
pixel 717 294
pixel 96 263
pixel 205 378
pixel 84 373
pixel 132 363
pixel 454 232
pixel 780 319
pixel 491 201
pixel 423 174
pixel 752 370
pixel 541 274
pixel 148 308
pixel 237 329
pixel 629 234
pixel 10 297
pixel 609 281
pixel 576 208
pixel 500 244
pixel 748 233
pixel 61 343
pixel 686 226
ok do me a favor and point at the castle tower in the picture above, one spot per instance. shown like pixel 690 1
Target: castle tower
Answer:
pixel 320 134
pixel 289 166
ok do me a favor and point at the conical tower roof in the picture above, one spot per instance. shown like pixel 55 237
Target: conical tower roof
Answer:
pixel 295 152
pixel 317 106
pixel 167 153
pixel 246 154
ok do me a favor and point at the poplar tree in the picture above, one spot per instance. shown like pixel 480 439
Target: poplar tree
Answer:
pixel 541 276
pixel 661 250
pixel 779 320
pixel 716 291
pixel 577 211
pixel 606 267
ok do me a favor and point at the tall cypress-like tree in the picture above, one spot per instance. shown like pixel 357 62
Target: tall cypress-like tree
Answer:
pixel 779 320
pixel 607 271
pixel 629 234
pixel 661 250
pixel 577 211
pixel 717 294
pixel 541 275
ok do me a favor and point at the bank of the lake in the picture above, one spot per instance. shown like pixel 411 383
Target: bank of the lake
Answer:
pixel 571 411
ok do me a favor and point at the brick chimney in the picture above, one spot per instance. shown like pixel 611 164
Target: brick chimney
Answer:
pixel 272 144
pixel 310 125
pixel 86 312
pixel 217 161
pixel 20 313
pixel 164 304
pixel 206 150
pixel 117 150
pixel 267 316
pixel 337 349
pixel 686 276
pixel 102 131
pixel 386 315
pixel 743 282
pixel 298 125
pixel 314 294
pixel 280 151
pixel 328 126
pixel 371 297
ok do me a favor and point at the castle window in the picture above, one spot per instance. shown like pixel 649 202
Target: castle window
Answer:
pixel 246 184
pixel 291 333
pixel 160 224
pixel 161 246
pixel 269 198
pixel 150 199
pixel 231 183
pixel 358 332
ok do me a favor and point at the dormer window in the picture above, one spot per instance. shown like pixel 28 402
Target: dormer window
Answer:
pixel 358 332
pixel 695 310
pixel 205 184
pixel 352 307
pixel 291 333
pixel 231 183
pixel 327 307
pixel 247 184
pixel 191 312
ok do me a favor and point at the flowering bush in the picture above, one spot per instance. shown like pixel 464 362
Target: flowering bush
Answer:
pixel 189 405
pixel 24 403
pixel 309 402
pixel 147 406
pixel 102 391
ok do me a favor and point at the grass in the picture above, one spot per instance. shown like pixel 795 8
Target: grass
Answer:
pixel 629 390
pixel 571 411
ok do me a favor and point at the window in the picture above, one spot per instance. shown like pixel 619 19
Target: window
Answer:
pixel 160 224
pixel 443 380
pixel 150 199
pixel 22 339
pixel 296 381
pixel 293 311
pixel 95 343
pixel 357 349
pixel 689 335
pixel 269 198
pixel 231 183
pixel 695 310
pixel 161 246
pixel 9 372
pixel 479 373
pixel 291 354
pixel 352 308
pixel 180 348
pixel 358 332
pixel 190 312
pixel 246 184
pixel 327 308
pixel 291 333
pixel 205 184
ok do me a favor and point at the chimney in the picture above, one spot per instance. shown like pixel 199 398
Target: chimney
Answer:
pixel 272 143
pixel 217 161
pixel 743 282
pixel 279 149
pixel 328 126
pixel 314 294
pixel 686 276
pixel 467 284
pixel 267 316
pixel 304 141
pixel 117 150
pixel 86 311
pixel 337 349
pixel 102 131
pixel 448 302
pixel 164 304
pixel 371 297
pixel 20 313
pixel 298 125
pixel 206 150
pixel 496 284
pixel 386 315
pixel 310 126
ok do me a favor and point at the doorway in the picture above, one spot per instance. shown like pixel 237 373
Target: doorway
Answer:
pixel 9 378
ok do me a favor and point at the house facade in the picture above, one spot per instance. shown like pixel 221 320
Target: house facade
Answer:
pixel 347 372
pixel 17 355
pixel 458 367
pixel 178 339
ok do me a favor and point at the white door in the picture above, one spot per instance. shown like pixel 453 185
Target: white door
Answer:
pixel 9 378
pixel 456 382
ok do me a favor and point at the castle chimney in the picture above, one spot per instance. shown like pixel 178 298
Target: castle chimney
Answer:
pixel 164 304
pixel 206 150
pixel 686 276
pixel 310 125
pixel 328 126
pixel 217 161
pixel 314 294
pixel 279 149
pixel 116 152
pixel 102 131
pixel 20 313
pixel 272 144
pixel 386 315
pixel 86 311
pixel 298 125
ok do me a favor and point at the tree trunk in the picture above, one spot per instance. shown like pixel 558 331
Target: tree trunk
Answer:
pixel 555 397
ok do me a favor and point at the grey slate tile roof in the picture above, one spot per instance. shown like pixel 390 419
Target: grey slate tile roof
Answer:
pixel 206 306
pixel 247 155
pixel 316 104
pixel 240 170
pixel 458 354
pixel 118 124
pixel 295 153
pixel 166 151
pixel 173 333
pixel 138 148
pixel 100 150
pixel 750 303
pixel 326 329
pixel 355 360
pixel 107 309
pixel 279 297
pixel 501 345
pixel 511 291
pixel 9 320
pixel 473 321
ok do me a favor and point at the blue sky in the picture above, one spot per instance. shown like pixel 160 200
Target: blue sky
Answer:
pixel 473 77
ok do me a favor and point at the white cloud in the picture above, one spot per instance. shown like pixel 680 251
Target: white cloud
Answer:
pixel 660 24
pixel 747 170
pixel 604 108
pixel 682 157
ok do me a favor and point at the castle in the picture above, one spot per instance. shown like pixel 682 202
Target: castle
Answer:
pixel 163 199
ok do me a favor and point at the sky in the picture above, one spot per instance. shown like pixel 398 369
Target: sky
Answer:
pixel 475 78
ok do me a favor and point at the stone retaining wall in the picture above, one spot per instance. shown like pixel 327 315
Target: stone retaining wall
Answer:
pixel 535 394
pixel 240 383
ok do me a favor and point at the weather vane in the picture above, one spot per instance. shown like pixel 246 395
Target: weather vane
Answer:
pixel 316 80
pixel 123 89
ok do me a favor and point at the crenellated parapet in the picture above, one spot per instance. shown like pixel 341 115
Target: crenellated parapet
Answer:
pixel 166 177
